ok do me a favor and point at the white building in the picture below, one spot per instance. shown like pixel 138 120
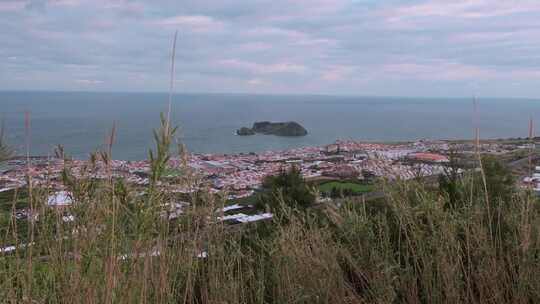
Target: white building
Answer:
pixel 60 198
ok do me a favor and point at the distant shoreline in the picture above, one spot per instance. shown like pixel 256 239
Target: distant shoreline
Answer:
pixel 513 141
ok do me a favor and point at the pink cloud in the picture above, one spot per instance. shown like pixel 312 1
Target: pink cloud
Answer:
pixel 8 6
pixel 258 68
pixel 275 32
pixel 255 46
pixel 453 71
pixel 256 82
pixel 89 81
pixel 337 72
pixel 525 35
pixel 440 70
pixel 195 23
pixel 462 9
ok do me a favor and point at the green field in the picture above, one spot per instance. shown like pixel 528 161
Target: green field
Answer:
pixel 354 187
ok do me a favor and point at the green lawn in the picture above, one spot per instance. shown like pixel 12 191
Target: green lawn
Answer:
pixel 354 187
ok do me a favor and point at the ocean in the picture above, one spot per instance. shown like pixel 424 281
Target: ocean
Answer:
pixel 207 123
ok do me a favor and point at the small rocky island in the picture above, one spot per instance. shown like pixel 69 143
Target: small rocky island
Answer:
pixel 290 128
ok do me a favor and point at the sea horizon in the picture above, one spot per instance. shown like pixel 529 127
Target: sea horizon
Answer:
pixel 471 98
pixel 80 121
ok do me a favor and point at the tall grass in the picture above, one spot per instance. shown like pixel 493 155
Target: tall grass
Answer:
pixel 408 248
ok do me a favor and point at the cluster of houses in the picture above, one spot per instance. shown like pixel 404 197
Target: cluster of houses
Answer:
pixel 239 175
pixel 534 180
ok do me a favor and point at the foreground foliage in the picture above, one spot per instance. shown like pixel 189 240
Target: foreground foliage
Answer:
pixel 409 248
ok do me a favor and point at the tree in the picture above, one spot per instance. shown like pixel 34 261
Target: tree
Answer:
pixel 290 187
pixel 500 183
pixel 449 180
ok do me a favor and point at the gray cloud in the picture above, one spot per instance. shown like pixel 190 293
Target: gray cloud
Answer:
pixel 364 47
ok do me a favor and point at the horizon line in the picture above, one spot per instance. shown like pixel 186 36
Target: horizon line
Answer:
pixel 473 96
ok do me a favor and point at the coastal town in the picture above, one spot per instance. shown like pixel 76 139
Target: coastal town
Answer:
pixel 239 175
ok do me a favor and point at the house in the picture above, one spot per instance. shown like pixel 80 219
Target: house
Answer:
pixel 60 198
pixel 428 157
pixel 342 171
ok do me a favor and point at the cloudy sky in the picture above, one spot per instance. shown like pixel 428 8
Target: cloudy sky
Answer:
pixel 360 47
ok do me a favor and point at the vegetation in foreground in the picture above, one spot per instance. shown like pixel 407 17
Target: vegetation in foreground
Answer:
pixel 474 240
pixel 344 188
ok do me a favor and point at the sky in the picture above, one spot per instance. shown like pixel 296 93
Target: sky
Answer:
pixel 336 47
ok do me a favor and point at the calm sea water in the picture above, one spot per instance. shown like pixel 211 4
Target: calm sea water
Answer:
pixel 80 121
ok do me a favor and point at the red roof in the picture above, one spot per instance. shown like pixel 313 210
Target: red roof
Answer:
pixel 430 157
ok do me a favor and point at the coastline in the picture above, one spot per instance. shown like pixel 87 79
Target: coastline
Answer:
pixel 512 141
pixel 240 174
